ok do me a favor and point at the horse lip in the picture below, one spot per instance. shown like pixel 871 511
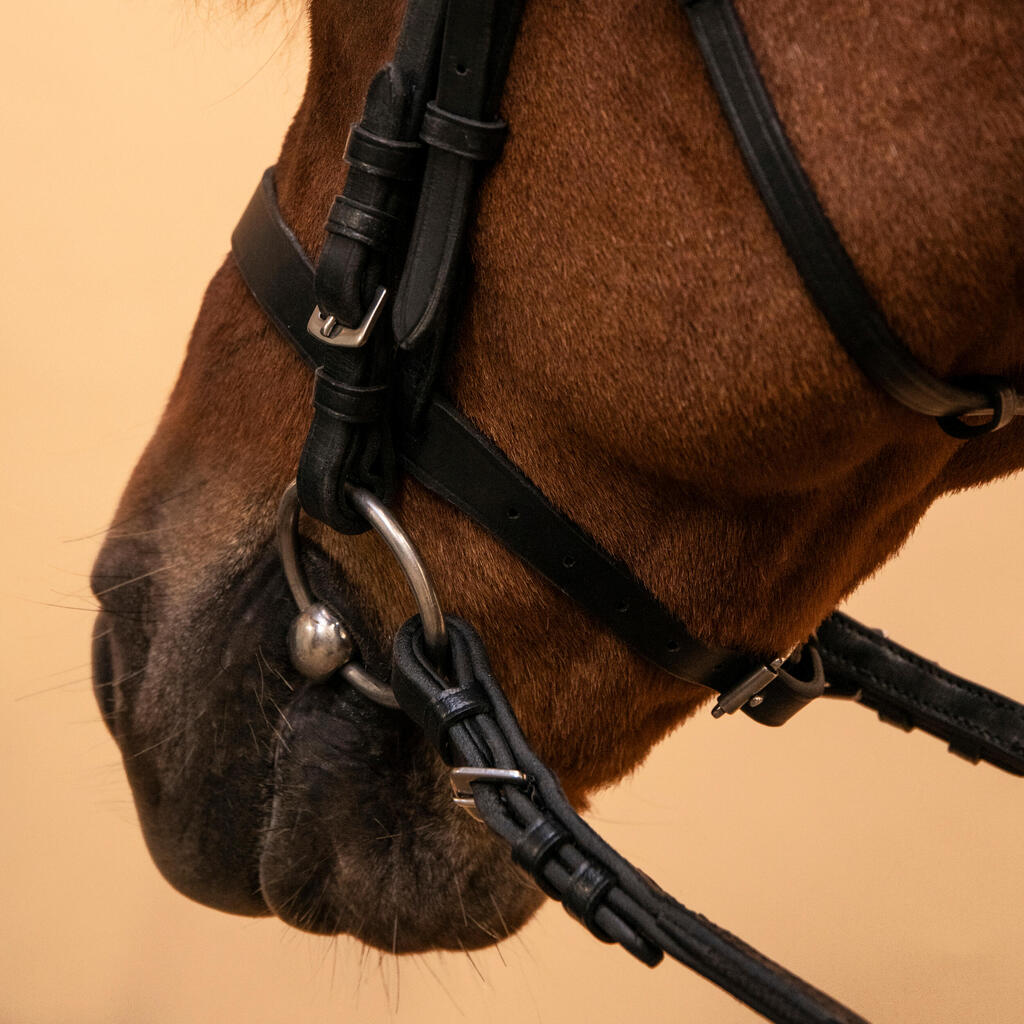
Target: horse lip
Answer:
pixel 103 668
pixel 281 819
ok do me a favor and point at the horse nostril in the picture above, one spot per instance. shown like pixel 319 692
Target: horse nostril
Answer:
pixel 120 579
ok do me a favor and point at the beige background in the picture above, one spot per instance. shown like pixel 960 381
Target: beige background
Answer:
pixel 873 862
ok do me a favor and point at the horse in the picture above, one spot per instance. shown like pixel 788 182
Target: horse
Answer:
pixel 635 338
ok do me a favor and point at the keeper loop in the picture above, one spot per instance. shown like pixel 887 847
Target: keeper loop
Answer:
pixel 475 140
pixel 585 894
pixel 535 847
pixel 346 402
pixel 362 222
pixel 449 707
pixel 382 157
pixel 1003 401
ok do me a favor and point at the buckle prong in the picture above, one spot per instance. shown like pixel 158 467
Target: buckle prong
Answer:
pixel 328 330
pixel 462 780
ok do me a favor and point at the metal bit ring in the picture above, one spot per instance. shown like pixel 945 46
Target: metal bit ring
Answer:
pixel 388 528
pixel 319 613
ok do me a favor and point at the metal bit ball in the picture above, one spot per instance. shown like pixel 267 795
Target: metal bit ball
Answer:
pixel 318 642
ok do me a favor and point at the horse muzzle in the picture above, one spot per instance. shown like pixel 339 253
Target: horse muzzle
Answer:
pixel 261 792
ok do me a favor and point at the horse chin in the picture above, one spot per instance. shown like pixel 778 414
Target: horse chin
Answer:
pixel 259 792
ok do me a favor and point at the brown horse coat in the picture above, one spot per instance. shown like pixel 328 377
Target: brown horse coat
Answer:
pixel 638 342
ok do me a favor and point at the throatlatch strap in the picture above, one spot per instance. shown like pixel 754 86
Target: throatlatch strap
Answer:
pixel 828 272
pixel 570 862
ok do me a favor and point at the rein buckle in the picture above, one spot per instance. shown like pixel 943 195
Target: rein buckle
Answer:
pixel 748 688
pixel 462 780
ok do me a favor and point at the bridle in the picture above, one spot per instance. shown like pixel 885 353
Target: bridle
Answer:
pixel 395 240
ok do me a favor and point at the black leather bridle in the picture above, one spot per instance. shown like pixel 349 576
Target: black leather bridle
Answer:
pixel 372 319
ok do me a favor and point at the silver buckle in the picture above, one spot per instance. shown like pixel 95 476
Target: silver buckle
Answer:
pixel 328 330
pixel 748 688
pixel 462 780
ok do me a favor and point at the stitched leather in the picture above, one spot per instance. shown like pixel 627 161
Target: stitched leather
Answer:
pixel 384 165
pixel 386 158
pixel 535 846
pixel 277 270
pixel 614 900
pixel 911 692
pixel 348 403
pixel 455 461
pixel 449 456
pixel 364 224
pixel 466 716
pixel 828 272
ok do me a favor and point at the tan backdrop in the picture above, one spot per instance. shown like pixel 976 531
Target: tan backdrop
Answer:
pixel 870 861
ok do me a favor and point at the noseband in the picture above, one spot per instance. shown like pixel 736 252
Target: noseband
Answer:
pixel 395 240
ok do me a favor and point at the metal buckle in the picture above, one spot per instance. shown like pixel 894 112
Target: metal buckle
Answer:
pixel 748 688
pixel 462 780
pixel 328 330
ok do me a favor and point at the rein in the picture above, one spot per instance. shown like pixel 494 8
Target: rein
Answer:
pixel 372 319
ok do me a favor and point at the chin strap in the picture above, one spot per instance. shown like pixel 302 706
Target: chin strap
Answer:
pixel 496 773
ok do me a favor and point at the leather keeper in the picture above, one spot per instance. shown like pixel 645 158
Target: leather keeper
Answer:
pixel 446 709
pixel 367 224
pixel 1001 409
pixel 535 847
pixel 346 402
pixel 381 157
pixel 584 895
pixel 793 688
pixel 475 140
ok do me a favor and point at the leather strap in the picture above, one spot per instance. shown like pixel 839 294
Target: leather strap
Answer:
pixel 449 456
pixel 568 860
pixel 369 222
pixel 828 272
pixel 911 692
pixel 461 130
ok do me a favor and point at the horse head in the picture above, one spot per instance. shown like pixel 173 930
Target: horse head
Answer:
pixel 634 336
